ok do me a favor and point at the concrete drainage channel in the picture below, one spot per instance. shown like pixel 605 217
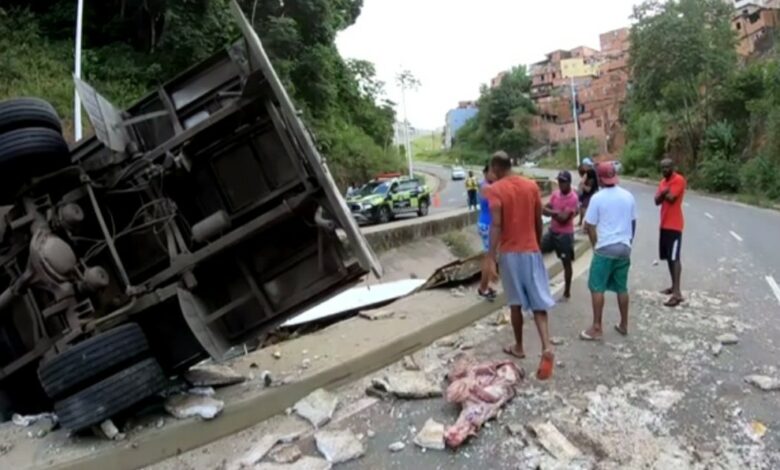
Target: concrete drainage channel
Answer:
pixel 346 351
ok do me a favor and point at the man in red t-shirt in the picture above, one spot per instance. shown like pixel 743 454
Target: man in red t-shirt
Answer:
pixel 515 235
pixel 669 196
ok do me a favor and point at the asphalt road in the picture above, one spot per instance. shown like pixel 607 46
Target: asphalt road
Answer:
pixel 452 194
pixel 670 401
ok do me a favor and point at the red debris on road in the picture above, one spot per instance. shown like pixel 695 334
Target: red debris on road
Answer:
pixel 481 389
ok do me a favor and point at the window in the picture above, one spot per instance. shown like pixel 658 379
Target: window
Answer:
pixel 408 186
pixel 739 25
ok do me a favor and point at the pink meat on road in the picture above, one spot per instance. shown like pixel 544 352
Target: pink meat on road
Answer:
pixel 481 390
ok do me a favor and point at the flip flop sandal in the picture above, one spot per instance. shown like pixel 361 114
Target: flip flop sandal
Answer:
pixel 673 302
pixel 545 370
pixel 586 337
pixel 621 330
pixel 511 351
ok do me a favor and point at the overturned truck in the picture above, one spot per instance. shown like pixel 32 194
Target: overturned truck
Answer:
pixel 196 220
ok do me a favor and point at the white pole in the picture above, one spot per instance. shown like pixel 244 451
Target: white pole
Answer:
pixel 77 71
pixel 576 121
pixel 407 140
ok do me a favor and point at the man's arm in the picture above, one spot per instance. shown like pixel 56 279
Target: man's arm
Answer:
pixel 548 210
pixel 592 220
pixel 675 190
pixel 538 218
pixel 592 236
pixel 496 224
pixel 661 196
pixel 633 231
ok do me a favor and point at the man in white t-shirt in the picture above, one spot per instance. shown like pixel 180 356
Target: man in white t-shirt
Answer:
pixel 611 225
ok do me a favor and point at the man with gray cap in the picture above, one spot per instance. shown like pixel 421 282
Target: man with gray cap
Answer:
pixel 562 208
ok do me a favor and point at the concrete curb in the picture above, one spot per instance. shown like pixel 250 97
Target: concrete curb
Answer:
pixel 257 405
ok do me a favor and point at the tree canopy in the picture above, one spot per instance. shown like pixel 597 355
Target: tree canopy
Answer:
pixel 130 46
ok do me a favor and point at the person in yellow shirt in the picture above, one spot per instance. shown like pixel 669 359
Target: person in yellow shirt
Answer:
pixel 472 189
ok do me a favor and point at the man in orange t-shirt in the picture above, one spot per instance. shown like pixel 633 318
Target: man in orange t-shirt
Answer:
pixel 669 196
pixel 515 238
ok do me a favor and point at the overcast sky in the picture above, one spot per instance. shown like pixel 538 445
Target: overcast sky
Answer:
pixel 453 46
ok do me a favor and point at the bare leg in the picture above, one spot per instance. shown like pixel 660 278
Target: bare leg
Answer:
pixel 676 270
pixel 597 299
pixel 623 307
pixel 567 275
pixel 540 318
pixel 517 328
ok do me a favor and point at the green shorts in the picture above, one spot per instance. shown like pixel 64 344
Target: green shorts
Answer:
pixel 608 274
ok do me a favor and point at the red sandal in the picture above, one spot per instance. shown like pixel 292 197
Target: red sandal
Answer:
pixel 546 366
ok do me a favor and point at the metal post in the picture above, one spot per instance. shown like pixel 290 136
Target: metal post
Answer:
pixel 576 121
pixel 407 140
pixel 77 71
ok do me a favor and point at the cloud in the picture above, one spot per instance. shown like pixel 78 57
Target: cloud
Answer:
pixel 453 46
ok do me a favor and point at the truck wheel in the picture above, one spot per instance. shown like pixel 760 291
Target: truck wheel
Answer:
pixel 21 113
pixel 385 215
pixel 111 396
pixel 422 211
pixel 93 359
pixel 25 153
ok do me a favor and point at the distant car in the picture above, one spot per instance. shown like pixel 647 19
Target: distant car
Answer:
pixel 530 164
pixel 458 173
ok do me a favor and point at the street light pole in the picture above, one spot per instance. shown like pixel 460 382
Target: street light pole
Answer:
pixel 77 71
pixel 576 120
pixel 407 140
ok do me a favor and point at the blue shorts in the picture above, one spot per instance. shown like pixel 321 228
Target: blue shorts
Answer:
pixel 525 281
pixel 484 234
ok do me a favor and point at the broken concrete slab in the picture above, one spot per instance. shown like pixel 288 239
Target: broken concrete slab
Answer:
pixel 377 314
pixel 287 453
pixel 431 436
pixel 212 375
pixel 555 442
pixel 256 453
pixel 728 339
pixel 408 384
pixel 763 382
pixel 663 400
pixel 110 431
pixel 317 407
pixel 187 406
pixel 304 463
pixel 410 363
pixel 717 348
pixel 28 420
pixel 339 446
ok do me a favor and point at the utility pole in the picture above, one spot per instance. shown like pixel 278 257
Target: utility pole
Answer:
pixel 406 80
pixel 576 120
pixel 77 71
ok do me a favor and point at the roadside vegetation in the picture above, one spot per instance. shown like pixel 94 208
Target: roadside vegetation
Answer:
pixel 698 102
pixel 132 46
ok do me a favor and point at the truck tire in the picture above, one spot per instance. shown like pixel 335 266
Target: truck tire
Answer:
pixel 21 113
pixel 93 359
pixel 25 153
pixel 111 396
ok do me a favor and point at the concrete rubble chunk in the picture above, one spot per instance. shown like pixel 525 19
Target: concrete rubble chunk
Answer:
pixel 763 382
pixel 431 436
pixel 396 446
pixel 304 463
pixel 408 384
pixel 717 348
pixel 212 375
pixel 317 407
pixel 256 453
pixel 339 446
pixel 277 354
pixel 187 406
pixel 110 431
pixel 5 448
pixel 377 314
pixel 728 339
pixel 557 341
pixel 202 391
pixel 447 342
pixel 28 420
pixel 287 453
pixel 555 442
pixel 663 400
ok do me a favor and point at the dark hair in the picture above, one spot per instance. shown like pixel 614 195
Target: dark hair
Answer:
pixel 486 169
pixel 501 161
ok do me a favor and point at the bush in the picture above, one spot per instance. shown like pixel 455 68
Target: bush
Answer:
pixel 719 174
pixel 761 177
pixel 645 148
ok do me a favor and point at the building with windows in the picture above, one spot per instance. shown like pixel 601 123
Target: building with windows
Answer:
pixel 754 23
pixel 457 118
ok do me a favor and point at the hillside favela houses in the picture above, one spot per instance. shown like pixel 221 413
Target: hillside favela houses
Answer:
pixel 754 23
pixel 455 119
pixel 601 82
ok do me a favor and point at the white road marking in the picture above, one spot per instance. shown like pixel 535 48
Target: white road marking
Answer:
pixel 736 236
pixel 709 216
pixel 773 285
